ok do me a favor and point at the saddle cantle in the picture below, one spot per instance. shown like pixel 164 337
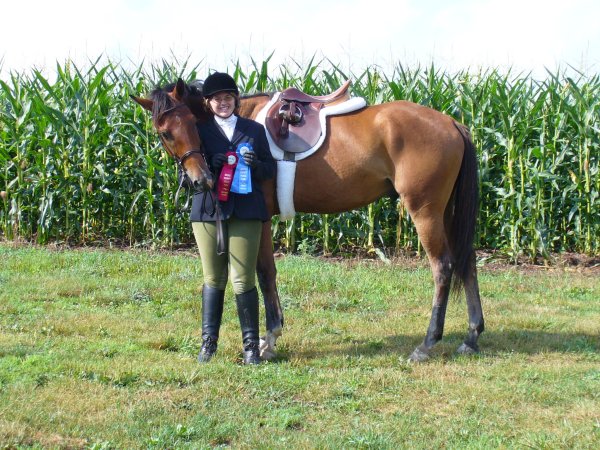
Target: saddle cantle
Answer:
pixel 293 120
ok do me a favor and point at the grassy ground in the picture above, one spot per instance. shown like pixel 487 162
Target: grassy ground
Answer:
pixel 97 350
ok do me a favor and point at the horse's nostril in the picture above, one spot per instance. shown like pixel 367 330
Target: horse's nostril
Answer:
pixel 202 185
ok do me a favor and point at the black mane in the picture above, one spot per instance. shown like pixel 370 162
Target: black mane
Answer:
pixel 161 101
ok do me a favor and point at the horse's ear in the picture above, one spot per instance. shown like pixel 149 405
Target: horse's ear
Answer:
pixel 143 102
pixel 180 89
pixel 196 88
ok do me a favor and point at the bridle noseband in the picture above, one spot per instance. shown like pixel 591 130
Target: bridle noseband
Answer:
pixel 186 155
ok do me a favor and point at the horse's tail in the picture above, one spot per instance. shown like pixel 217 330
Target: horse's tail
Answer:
pixel 465 209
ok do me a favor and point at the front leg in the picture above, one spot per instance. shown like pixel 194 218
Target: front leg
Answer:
pixel 267 274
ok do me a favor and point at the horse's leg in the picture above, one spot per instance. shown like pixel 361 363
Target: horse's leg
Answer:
pixel 476 322
pixel 431 231
pixel 267 273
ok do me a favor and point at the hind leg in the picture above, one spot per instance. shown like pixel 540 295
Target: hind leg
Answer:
pixel 433 237
pixel 476 322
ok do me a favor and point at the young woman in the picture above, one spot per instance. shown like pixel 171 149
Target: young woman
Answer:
pixel 238 153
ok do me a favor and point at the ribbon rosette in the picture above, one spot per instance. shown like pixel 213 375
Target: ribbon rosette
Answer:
pixel 242 181
pixel 226 177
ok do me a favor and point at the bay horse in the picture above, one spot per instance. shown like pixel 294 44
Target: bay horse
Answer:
pixel 397 148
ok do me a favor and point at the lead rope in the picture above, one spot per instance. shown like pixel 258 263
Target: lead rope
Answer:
pixel 221 238
pixel 218 214
pixel 181 182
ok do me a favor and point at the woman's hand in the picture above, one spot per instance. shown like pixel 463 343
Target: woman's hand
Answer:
pixel 218 160
pixel 250 159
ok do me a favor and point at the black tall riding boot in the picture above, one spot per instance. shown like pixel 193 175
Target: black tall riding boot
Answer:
pixel 212 311
pixel 247 307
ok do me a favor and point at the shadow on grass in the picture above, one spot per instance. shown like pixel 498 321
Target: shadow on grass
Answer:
pixel 492 343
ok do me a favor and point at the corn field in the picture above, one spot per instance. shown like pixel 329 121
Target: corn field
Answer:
pixel 81 164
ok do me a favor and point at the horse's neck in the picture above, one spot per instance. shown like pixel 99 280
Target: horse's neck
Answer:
pixel 196 105
pixel 251 106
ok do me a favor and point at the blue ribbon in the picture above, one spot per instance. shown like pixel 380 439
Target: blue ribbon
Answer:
pixel 242 181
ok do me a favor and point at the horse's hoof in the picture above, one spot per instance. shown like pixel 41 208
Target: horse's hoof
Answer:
pixel 277 332
pixel 267 346
pixel 418 356
pixel 268 355
pixel 465 349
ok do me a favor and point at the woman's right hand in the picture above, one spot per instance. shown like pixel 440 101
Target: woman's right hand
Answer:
pixel 218 160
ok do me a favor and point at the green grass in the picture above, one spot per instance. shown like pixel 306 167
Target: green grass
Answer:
pixel 97 350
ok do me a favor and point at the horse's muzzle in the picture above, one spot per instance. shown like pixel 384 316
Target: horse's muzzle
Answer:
pixel 203 185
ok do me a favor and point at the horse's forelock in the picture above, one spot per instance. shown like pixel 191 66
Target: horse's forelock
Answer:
pixel 161 101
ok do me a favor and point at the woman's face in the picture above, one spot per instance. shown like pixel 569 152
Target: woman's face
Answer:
pixel 222 104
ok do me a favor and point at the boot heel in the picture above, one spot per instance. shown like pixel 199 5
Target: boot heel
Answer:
pixel 207 351
pixel 252 354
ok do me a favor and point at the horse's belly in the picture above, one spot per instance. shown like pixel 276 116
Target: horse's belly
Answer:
pixel 324 191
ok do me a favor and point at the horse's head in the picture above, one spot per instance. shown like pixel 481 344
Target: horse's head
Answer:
pixel 176 126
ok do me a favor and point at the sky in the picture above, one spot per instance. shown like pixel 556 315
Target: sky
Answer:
pixel 529 36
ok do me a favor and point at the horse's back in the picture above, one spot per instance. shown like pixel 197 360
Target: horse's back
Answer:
pixel 416 122
pixel 400 125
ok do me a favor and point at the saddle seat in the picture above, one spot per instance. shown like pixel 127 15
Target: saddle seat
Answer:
pixel 293 120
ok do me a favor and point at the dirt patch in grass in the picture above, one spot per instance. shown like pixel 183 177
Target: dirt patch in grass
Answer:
pixel 487 259
pixel 493 260
pixel 58 441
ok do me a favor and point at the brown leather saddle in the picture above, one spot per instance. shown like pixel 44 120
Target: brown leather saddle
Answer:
pixel 293 121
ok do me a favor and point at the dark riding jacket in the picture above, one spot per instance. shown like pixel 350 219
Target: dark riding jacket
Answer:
pixel 242 206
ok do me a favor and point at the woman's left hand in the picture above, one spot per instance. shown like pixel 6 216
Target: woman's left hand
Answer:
pixel 250 159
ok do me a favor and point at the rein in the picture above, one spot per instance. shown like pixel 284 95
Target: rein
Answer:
pixel 221 238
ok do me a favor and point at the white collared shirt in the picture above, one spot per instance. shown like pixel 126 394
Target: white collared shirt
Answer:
pixel 227 125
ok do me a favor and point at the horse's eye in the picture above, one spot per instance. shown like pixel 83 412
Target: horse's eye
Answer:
pixel 166 135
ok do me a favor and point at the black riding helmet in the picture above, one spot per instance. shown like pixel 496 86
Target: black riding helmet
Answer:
pixel 219 82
